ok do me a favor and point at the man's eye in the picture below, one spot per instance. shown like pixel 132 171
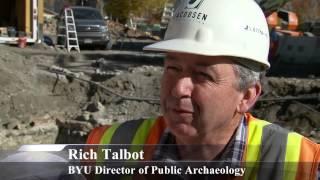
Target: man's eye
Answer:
pixel 205 76
pixel 172 68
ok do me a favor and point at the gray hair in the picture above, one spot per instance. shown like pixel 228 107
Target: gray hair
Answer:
pixel 247 76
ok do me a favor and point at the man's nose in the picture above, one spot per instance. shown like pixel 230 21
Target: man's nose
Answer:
pixel 183 87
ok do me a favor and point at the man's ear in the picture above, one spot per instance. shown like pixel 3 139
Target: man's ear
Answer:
pixel 250 96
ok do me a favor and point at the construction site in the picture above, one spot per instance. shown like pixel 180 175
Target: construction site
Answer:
pixel 51 96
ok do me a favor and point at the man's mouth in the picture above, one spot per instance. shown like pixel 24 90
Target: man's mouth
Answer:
pixel 182 111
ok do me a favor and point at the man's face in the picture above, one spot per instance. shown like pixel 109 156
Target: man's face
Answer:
pixel 198 94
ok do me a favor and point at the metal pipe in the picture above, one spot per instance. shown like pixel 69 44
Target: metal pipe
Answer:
pixel 59 70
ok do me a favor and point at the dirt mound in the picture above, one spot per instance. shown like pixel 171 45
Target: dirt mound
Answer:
pixel 292 103
pixel 31 100
pixel 126 96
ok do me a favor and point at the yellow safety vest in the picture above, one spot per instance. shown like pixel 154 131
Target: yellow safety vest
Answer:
pixel 271 152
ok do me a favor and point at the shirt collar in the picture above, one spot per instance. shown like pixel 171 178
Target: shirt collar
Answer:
pixel 233 152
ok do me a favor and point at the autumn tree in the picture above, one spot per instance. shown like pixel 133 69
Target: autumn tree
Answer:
pixel 124 9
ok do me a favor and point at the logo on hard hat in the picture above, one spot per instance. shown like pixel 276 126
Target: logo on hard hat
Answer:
pixel 189 10
pixel 194 4
pixel 255 30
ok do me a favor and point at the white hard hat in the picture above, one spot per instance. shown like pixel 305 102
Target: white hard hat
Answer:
pixel 235 28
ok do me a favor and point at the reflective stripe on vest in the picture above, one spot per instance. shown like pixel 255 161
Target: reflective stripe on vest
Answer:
pixel 275 153
pixel 132 132
pixel 254 136
pixel 137 132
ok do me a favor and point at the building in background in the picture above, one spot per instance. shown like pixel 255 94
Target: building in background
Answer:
pixel 21 18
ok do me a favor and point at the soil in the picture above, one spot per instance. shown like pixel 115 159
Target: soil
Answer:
pixel 41 105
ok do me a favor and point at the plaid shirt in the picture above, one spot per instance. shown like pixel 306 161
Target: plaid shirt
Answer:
pixel 167 151
pixel 232 153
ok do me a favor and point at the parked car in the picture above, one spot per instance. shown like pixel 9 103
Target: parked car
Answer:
pixel 90 26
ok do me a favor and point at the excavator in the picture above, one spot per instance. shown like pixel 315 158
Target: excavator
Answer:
pixel 294 51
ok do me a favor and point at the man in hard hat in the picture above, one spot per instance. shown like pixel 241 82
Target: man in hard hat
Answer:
pixel 216 53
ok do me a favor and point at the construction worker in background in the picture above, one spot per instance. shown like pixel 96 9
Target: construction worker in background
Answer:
pixel 216 53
